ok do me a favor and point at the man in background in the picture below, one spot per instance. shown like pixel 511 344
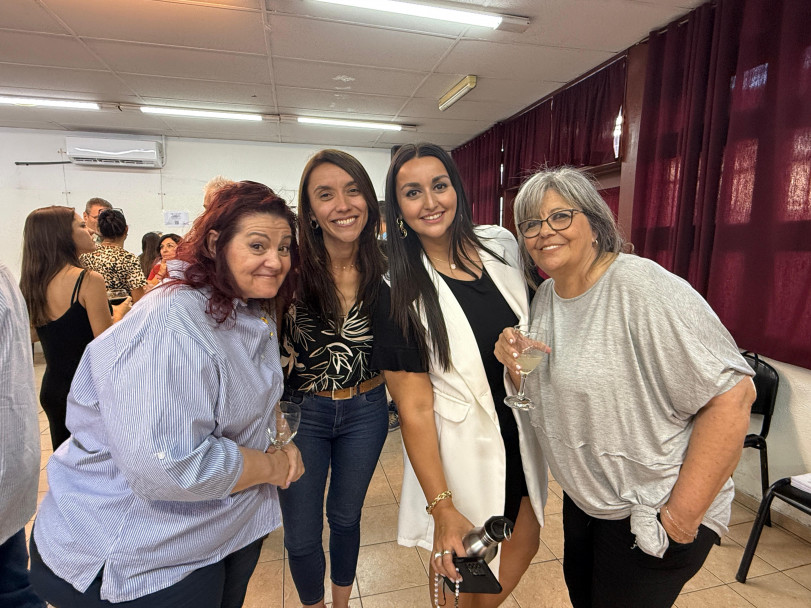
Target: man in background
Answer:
pixel 19 446
pixel 91 216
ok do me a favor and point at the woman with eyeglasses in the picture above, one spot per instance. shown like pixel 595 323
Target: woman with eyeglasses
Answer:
pixel 641 405
pixel 454 286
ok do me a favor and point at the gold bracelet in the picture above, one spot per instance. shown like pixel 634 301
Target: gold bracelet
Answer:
pixel 694 535
pixel 441 496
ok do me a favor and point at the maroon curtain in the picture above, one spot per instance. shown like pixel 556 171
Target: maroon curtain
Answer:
pixel 722 192
pixel 526 144
pixel 611 196
pixel 479 163
pixel 760 265
pixel 584 117
pixel 676 107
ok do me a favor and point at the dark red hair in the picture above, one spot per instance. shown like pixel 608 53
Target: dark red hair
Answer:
pixel 209 269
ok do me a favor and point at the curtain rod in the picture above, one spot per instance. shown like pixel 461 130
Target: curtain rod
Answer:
pixel 605 64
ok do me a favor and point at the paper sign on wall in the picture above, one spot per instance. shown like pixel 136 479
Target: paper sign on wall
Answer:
pixel 176 218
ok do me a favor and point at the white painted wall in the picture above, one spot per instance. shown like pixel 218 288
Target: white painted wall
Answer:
pixel 144 194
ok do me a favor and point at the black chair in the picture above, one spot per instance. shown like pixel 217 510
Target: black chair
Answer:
pixel 766 383
pixel 786 492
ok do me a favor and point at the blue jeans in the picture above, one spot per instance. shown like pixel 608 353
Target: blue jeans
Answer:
pixel 15 588
pixel 346 435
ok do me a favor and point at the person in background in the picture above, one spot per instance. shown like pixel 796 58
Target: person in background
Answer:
pixel 119 267
pixel 92 208
pixel 641 406
pixel 212 187
pixel 453 288
pixel 19 446
pixel 167 488
pixel 67 304
pixel 167 247
pixel 150 243
pixel 327 344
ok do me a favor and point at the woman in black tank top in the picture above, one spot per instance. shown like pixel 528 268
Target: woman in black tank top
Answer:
pixel 53 239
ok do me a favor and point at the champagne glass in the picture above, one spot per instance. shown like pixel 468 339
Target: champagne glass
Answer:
pixel 286 418
pixel 531 346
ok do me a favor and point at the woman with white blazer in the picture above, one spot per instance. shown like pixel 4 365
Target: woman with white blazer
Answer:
pixel 453 288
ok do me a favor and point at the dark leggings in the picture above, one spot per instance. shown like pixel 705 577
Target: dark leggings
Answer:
pixel 219 585
pixel 604 568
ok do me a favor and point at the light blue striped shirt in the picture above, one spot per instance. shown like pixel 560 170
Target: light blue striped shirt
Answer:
pixel 157 408
pixel 19 427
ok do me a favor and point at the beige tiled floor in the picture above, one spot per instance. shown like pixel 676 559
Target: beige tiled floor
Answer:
pixel 390 576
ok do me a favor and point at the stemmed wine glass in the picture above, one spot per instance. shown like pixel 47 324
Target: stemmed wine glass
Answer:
pixel 286 416
pixel 531 346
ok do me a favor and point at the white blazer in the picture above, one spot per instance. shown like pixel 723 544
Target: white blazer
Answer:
pixel 470 443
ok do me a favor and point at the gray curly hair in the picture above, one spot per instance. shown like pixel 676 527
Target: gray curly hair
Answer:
pixel 580 191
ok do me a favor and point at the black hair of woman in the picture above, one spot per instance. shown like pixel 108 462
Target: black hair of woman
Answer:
pixel 410 280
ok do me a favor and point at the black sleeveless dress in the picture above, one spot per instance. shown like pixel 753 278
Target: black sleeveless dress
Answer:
pixel 63 343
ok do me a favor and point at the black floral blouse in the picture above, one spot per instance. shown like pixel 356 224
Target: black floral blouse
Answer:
pixel 316 357
pixel 120 268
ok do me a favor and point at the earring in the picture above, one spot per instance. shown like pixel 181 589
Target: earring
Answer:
pixel 401 226
pixel 314 224
pixel 594 242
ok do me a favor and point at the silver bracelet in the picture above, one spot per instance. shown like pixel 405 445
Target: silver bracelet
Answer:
pixel 693 535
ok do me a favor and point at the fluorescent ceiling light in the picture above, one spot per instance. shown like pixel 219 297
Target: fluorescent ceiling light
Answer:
pixel 200 113
pixel 459 90
pixel 467 17
pixel 51 103
pixel 359 124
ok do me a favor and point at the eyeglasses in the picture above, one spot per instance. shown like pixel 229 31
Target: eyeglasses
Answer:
pixel 557 221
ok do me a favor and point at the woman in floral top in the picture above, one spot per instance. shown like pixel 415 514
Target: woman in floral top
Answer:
pixel 328 342
pixel 120 268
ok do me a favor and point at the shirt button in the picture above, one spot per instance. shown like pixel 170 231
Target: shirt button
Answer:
pixel 160 455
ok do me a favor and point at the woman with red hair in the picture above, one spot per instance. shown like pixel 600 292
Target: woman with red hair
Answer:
pixel 166 489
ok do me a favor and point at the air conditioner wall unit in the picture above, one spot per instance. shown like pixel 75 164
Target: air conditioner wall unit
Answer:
pixel 115 152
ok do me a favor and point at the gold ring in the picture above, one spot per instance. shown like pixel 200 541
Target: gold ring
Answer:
pixel 438 554
pixel 446 552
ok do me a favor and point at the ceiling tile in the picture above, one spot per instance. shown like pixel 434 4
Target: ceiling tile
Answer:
pixel 171 23
pixel 342 77
pixel 29 16
pixel 93 84
pixel 310 39
pixel 335 101
pixel 190 90
pixel 184 63
pixel 491 60
pixel 45 50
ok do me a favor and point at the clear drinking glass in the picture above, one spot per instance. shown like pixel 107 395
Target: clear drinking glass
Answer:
pixel 116 296
pixel 285 421
pixel 532 348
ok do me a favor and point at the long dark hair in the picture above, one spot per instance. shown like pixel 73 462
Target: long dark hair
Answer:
pixel 210 269
pixel 318 289
pixel 412 290
pixel 149 251
pixel 48 247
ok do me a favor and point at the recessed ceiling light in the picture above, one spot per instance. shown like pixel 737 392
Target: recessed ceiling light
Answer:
pixel 442 13
pixel 200 113
pixel 50 103
pixel 358 124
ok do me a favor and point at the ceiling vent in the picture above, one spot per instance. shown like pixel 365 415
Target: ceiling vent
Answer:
pixel 115 152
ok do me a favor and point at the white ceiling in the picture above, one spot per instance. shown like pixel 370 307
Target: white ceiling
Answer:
pixel 300 57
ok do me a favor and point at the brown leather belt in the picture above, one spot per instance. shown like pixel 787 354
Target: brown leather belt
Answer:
pixel 351 391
